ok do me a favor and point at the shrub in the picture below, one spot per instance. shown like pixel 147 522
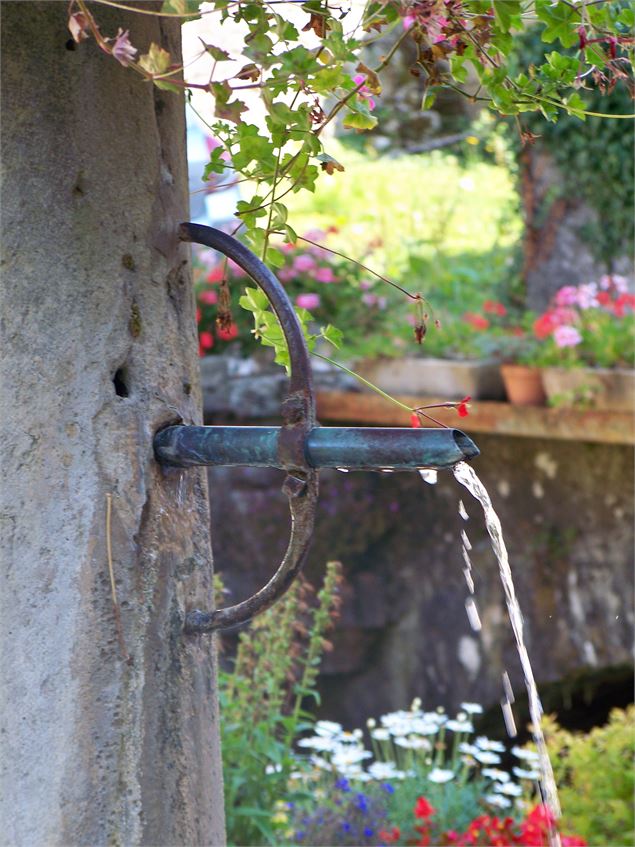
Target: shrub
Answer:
pixel 262 712
pixel 594 773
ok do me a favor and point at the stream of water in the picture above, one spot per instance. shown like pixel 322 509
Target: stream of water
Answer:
pixel 468 478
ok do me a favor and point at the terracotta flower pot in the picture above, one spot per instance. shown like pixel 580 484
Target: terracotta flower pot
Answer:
pixel 523 385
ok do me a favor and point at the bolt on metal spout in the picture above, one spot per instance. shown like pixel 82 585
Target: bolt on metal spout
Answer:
pixel 351 448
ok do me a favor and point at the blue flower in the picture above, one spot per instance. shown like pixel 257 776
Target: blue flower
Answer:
pixel 343 784
pixel 362 802
pixel 368 832
pixel 388 788
pixel 346 827
pixel 299 835
pixel 290 805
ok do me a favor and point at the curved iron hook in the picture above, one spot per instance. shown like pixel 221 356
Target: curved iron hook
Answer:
pixel 298 414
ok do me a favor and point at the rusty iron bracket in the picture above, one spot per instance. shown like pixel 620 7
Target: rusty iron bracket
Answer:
pixel 298 415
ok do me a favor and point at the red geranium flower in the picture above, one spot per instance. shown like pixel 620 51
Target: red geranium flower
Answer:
pixel 205 342
pixel 423 808
pixel 493 307
pixel 208 297
pixel 227 334
pixel 389 835
pixel 477 321
pixel 463 407
pixel 544 325
pixel 216 274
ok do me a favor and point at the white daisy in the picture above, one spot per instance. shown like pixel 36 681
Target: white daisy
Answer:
pixel 487 758
pixel 472 708
pixel 460 726
pixel 328 729
pixel 522 774
pixel 525 755
pixel 496 774
pixel 497 800
pixel 440 775
pixel 508 788
pixel 486 744
pixel 380 734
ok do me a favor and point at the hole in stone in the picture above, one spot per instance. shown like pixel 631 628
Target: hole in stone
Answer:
pixel 120 381
pixel 70 44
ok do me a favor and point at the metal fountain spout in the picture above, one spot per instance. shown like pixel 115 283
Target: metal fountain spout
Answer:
pixel 300 446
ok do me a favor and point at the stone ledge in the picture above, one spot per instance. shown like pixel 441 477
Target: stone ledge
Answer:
pixel 592 425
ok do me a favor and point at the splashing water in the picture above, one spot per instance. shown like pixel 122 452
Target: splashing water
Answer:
pixel 466 476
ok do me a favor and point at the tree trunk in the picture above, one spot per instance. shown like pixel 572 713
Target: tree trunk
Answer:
pixel 110 725
pixel 556 246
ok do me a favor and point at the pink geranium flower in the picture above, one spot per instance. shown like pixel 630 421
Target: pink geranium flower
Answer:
pixel 303 263
pixel 308 301
pixel 566 336
pixel 567 296
pixel 364 92
pixel 122 49
pixel 325 275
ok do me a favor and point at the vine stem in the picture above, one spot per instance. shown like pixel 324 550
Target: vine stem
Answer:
pixel 365 382
pixel 265 243
pixel 415 297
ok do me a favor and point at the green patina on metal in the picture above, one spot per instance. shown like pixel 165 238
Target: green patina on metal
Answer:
pixel 351 448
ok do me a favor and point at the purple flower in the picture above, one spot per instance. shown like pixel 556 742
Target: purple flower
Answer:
pixel 122 49
pixel 303 263
pixel 362 802
pixel 308 301
pixel 324 275
pixel 566 336
pixel 369 299
pixel 365 285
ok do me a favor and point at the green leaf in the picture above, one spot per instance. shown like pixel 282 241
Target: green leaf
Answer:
pixel 561 21
pixel 359 120
pixel 333 335
pixel 156 60
pixel 216 164
pixel 217 54
pixel 181 7
pixel 505 12
pixel 290 235
pixel 254 300
pixel 275 258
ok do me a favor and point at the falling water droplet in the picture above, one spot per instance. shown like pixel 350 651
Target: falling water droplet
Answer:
pixel 465 474
pixel 462 511
pixel 472 614
pixel 465 540
pixel 507 688
pixel 342 470
pixel 467 573
pixel 508 717
pixel 428 475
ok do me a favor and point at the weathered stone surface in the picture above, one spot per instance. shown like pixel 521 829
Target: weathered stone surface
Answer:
pixel 255 388
pixel 98 351
pixel 567 513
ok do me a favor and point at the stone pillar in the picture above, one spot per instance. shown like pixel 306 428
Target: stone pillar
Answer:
pixel 109 716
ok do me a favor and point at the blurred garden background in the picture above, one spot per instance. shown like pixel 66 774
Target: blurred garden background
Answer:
pixel 517 232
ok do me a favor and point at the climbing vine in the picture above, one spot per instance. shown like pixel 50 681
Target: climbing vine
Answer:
pixel 309 77
pixel 597 164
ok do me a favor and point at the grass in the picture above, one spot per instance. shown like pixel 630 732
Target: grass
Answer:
pixel 425 205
